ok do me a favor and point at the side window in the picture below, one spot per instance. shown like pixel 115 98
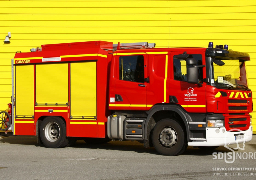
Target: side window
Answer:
pixel 180 68
pixel 131 68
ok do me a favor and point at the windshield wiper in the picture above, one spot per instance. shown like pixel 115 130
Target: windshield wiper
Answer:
pixel 222 85
pixel 230 86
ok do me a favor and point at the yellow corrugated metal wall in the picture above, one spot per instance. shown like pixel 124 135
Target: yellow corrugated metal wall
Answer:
pixel 167 23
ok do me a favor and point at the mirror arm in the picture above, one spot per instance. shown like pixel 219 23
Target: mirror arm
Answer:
pixel 199 66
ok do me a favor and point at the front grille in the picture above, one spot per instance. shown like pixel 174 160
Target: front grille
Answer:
pixel 236 113
pixel 237 125
pixel 237 119
pixel 237 101
pixel 241 122
pixel 237 107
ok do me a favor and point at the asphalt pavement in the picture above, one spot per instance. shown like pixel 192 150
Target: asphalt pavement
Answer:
pixel 22 158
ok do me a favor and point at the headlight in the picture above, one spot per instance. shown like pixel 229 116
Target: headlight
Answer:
pixel 215 123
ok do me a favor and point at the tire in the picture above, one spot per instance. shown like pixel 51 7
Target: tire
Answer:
pixel 169 138
pixel 53 132
pixel 184 147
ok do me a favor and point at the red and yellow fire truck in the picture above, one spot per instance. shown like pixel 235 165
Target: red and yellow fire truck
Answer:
pixel 169 98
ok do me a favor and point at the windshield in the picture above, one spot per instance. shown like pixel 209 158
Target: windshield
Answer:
pixel 229 74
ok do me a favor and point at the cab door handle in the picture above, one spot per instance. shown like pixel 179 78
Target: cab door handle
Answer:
pixel 141 85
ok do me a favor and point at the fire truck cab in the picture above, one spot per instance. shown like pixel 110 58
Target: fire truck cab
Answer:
pixel 169 98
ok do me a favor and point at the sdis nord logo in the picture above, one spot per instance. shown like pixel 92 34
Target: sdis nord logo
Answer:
pixel 190 92
pixel 230 157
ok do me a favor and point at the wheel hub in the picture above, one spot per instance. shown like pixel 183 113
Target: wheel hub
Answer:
pixel 52 131
pixel 168 137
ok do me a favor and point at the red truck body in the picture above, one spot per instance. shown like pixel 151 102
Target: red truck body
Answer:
pixel 139 86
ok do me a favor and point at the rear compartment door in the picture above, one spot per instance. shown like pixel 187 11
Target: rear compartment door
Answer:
pixel 83 90
pixel 52 84
pixel 24 90
pixel 24 100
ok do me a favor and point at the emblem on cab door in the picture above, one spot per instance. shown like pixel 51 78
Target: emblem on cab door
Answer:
pixel 190 92
pixel 190 96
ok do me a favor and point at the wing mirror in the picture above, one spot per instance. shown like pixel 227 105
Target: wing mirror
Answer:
pixel 192 70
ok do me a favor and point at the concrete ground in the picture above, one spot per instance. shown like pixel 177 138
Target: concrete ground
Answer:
pixel 22 158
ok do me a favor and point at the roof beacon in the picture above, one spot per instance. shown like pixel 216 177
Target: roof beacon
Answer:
pixel 210 45
pixel 226 46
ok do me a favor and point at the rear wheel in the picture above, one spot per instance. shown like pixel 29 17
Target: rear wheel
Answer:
pixel 53 132
pixel 169 138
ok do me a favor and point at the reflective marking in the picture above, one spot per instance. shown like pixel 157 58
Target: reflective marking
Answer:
pixel 130 105
pixel 73 119
pixel 156 52
pixel 83 55
pixel 231 94
pixel 50 106
pixel 24 121
pixel 28 58
pixel 53 110
pixel 193 105
pixel 101 123
pixel 83 117
pixel 241 94
pixel 218 95
pixel 165 78
pixel 83 122
pixel 101 55
pixel 144 105
pixel 132 53
pixel 24 118
pixel 135 53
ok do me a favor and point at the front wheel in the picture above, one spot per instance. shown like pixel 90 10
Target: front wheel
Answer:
pixel 168 137
pixel 53 132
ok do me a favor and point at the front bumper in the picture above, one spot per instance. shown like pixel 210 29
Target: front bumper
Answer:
pixel 221 137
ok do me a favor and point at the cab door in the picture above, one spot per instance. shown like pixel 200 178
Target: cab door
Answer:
pixel 128 87
pixel 192 97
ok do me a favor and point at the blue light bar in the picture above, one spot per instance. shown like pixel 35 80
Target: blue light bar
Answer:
pixel 226 46
pixel 210 45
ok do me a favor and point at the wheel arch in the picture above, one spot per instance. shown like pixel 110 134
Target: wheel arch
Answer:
pixel 52 131
pixel 40 120
pixel 166 111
